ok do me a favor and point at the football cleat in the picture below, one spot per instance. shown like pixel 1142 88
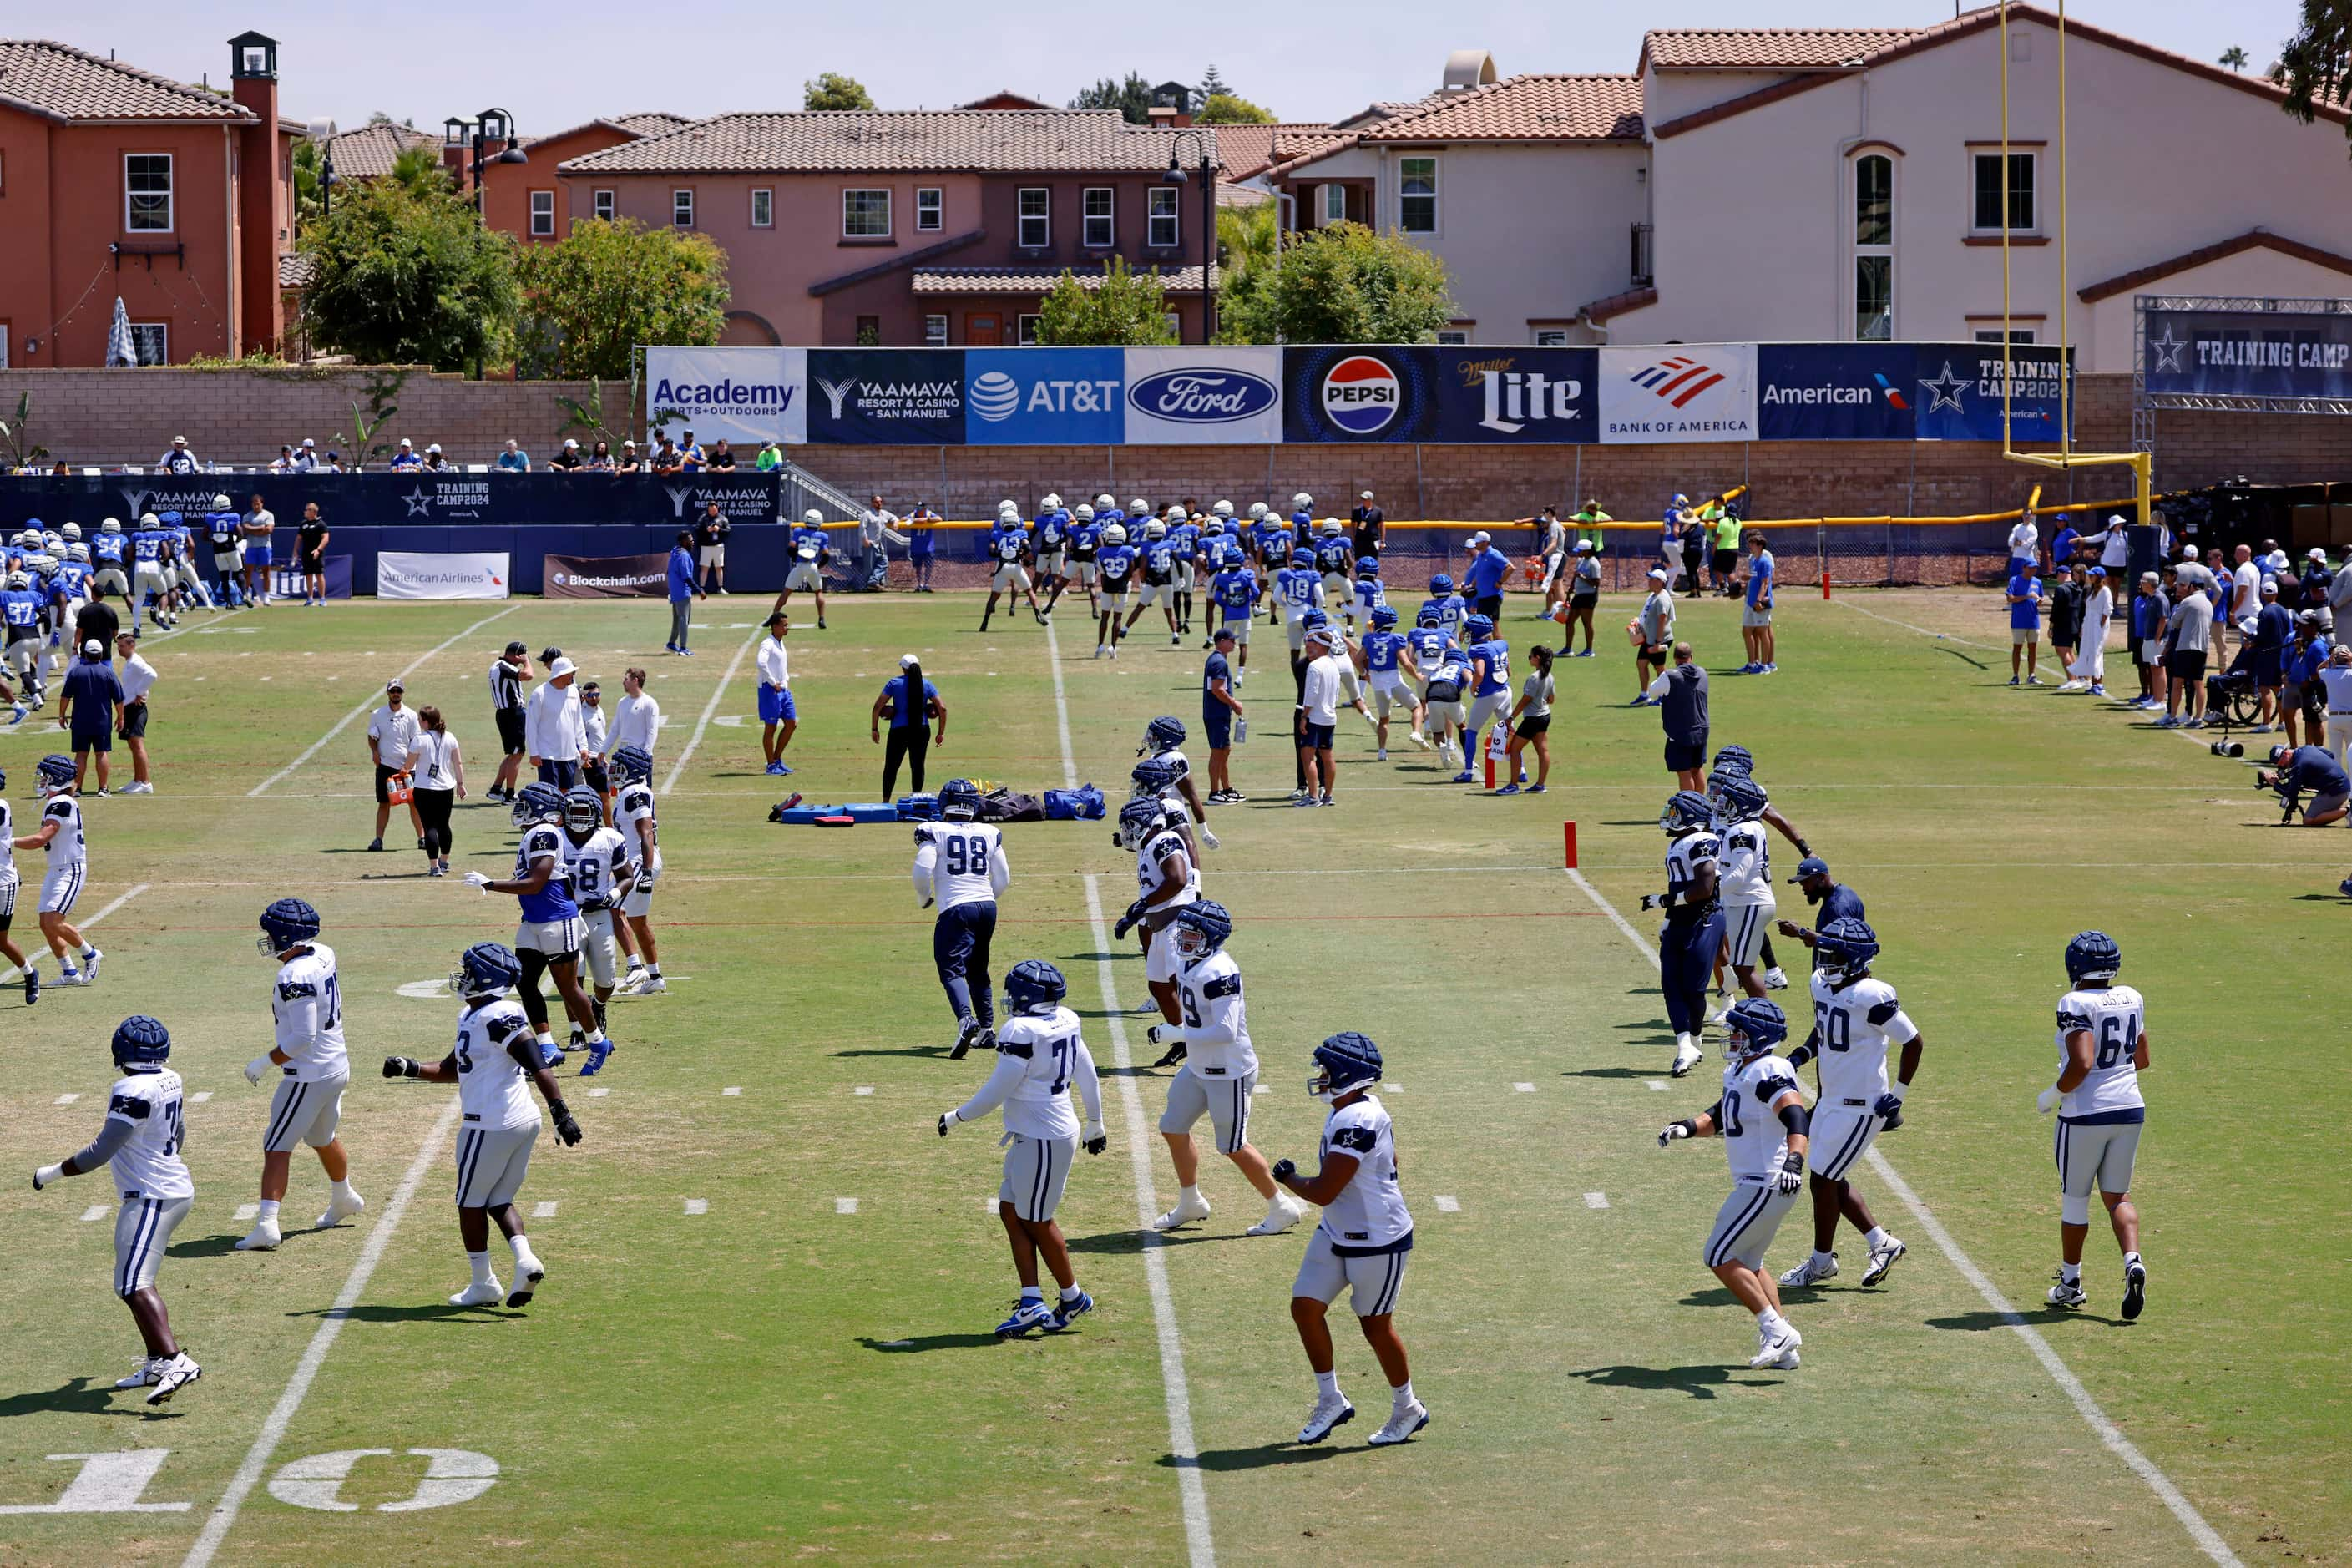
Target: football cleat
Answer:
pixel 89 963
pixel 1069 1311
pixel 1776 1350
pixel 654 985
pixel 1402 1424
pixel 1776 979
pixel 172 1375
pixel 1027 1314
pixel 338 1210
pixel 2135 1289
pixel 1810 1273
pixel 599 1053
pixel 526 1284
pixel 1189 1207
pixel 965 1036
pixel 487 1295
pixel 2065 1294
pixel 150 1369
pixel 1686 1056
pixel 1327 1413
pixel 1283 1213
pixel 1883 1260
pixel 263 1238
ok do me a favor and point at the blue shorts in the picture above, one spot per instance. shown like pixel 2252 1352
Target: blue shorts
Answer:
pixel 1219 723
pixel 256 554
pixel 776 705
pixel 1317 736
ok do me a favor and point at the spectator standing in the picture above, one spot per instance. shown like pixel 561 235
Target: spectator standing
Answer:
pixel 86 706
pixel 2089 670
pixel 1531 723
pixel 2024 547
pixel 2114 550
pixel 258 528
pixel 2336 678
pixel 513 460
pixel 2025 618
pixel 1680 696
pixel 664 459
pixel 1726 565
pixel 1367 528
pixel 1551 550
pixel 2273 636
pixel 507 673
pixel 923 544
pixel 2302 696
pixel 1221 710
pixel 1583 598
pixel 1484 577
pixel 2191 629
pixel 778 716
pixel 1589 521
pixel 1653 631
pixel 912 705
pixel 637 719
pixel 2062 545
pixel 722 457
pixel 710 531
pixel 2316 580
pixel 771 457
pixel 2245 594
pixel 177 458
pixel 874 536
pixel 1756 615
pixel 568 460
pixel 554 729
pixel 137 678
pixel 1670 539
pixel 683 590
pixel 689 454
pixel 1697 528
pixel 311 553
pixel 392 734
pixel 437 770
pixel 404 459
pixel 2065 617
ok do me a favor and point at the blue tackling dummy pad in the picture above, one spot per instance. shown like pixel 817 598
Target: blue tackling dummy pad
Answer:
pixel 857 811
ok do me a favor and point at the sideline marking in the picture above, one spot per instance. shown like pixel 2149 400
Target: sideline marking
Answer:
pixel 1596 1200
pixel 598 1093
pixel 2207 1539
pixel 717 695
pixel 1191 1492
pixel 697 1206
pixel 341 724
pixel 297 1387
pixel 543 1211
pixel 95 1211
pixel 1923 631
pixel 865 1089
pixel 247 1211
pixel 1525 1087
pixel 844 1206
pixel 1448 1205
pixel 200 1097
pixel 731 1090
pixel 65 1099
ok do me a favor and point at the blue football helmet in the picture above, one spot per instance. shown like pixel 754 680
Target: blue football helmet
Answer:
pixel 287 923
pixel 1735 760
pixel 1742 797
pixel 1384 618
pixel 632 763
pixel 1199 929
pixel 1755 1026
pixel 1440 586
pixel 1138 819
pixel 1479 628
pixel 1344 1063
pixel 1426 618
pixel 1155 776
pixel 1162 734
pixel 583 810
pixel 1034 986
pixel 53 773
pixel 1314 618
pixel 959 800
pixel 141 1042
pixel 1686 811
pixel 1844 948
pixel 1369 566
pixel 486 969
pixel 2094 956
pixel 537 802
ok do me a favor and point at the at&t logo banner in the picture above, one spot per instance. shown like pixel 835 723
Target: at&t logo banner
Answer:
pixel 1044 397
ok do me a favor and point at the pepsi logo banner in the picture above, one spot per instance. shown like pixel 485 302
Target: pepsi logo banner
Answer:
pixel 1369 393
pixel 1190 396
pixel 1835 392
pixel 1682 392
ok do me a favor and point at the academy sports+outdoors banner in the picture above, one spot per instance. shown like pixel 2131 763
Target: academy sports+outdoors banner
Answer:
pixel 749 396
pixel 605 576
pixel 409 574
pixel 2248 354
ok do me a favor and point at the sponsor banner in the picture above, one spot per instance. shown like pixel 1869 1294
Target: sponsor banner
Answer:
pixel 749 396
pixel 1202 396
pixel 410 575
pixel 1364 393
pixel 389 500
pixel 1957 389
pixel 1680 392
pixel 871 397
pixel 2248 354
pixel 1835 392
pixel 605 576
pixel 1500 393
pixel 288 583
pixel 1044 397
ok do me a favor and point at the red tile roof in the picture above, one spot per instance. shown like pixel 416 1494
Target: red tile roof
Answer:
pixel 59 82
pixel 367 152
pixel 1618 304
pixel 651 124
pixel 918 141
pixel 1038 280
pixel 1536 107
pixel 1765 49
pixel 2252 239
pixel 1246 149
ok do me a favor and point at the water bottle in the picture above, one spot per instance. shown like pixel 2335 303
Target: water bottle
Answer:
pixel 1240 730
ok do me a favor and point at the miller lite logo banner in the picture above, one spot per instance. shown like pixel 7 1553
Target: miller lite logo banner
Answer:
pixel 1197 396
pixel 2249 354
pixel 1682 392
pixel 1501 394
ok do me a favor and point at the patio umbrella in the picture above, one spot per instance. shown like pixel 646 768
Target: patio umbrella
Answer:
pixel 120 350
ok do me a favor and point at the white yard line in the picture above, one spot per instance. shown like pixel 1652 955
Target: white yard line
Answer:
pixel 1191 1491
pixel 298 1388
pixel 2207 1539
pixel 342 723
pixel 717 695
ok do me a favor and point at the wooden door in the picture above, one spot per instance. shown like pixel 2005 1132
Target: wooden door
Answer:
pixel 983 329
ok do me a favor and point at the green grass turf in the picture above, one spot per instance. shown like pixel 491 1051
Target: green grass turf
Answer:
pixel 773 1379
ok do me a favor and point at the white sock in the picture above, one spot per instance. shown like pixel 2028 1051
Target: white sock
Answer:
pixel 341 1191
pixel 479 1262
pixel 654 970
pixel 1770 1320
pixel 1326 1384
pixel 1032 1293
pixel 87 952
pixel 2070 1272
pixel 1188 1194
pixel 1401 1397
pixel 1683 1043
pixel 1071 1292
pixel 546 1038
pixel 2130 1259
pixel 1877 1238
pixel 523 1255
pixel 1821 1258
pixel 269 1210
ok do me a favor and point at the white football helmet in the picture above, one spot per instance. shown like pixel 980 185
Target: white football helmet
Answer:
pixel 149 520
pixel 814 517
pixel 1330 525
pixel 220 503
pixel 71 530
pixel 1139 506
pixel 19 581
pixel 1006 505
pixel 1115 533
pixel 1053 500
pixel 1084 513
pixel 1155 528
pixel 1256 510
pixel 1215 528
pixel 1104 503
pixel 1301 501
pixel 1221 509
pixel 1175 512
pixel 112 525
pixel 78 551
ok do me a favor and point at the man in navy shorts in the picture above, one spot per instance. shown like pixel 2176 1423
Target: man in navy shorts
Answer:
pixel 1219 708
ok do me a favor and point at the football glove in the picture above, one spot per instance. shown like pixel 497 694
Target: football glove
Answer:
pixel 1094 1139
pixel 2047 1101
pixel 924 905
pixel 43 1175
pixel 1890 1104
pixel 1210 839
pixel 479 882
pixel 1671 1130
pixel 946 1119
pixel 400 1067
pixel 1652 902
pixel 567 1131
pixel 1127 921
pixel 259 1068
pixel 1283 1170
pixel 1791 1173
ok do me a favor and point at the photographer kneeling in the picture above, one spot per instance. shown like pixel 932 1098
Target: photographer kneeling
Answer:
pixel 2299 771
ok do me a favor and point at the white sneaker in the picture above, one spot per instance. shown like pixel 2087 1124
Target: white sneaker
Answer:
pixel 1280 1216
pixel 2065 1295
pixel 530 1271
pixel 264 1238
pixel 487 1295
pixel 632 980
pixel 1686 1056
pixel 136 787
pixel 1883 1258
pixel 1419 740
pixel 1776 979
pixel 1402 1424
pixel 1810 1272
pixel 89 963
pixel 1383 756
pixel 1776 1350
pixel 150 1369
pixel 653 985
pixel 1186 1211
pixel 1327 1413
pixel 338 1211
pixel 172 1375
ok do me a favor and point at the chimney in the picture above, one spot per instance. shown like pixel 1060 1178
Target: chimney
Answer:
pixel 263 199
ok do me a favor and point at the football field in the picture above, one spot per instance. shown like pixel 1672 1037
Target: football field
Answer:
pixel 765 1334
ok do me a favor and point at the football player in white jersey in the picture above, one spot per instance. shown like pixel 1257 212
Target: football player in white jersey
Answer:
pixel 596 865
pixel 2102 1051
pixel 1694 924
pixel 495 1065
pixel 140 1144
pixel 633 814
pixel 1040 1057
pixel 1856 1016
pixel 1163 739
pixel 1220 1068
pixel 1744 865
pixel 8 890
pixel 63 835
pixel 1168 877
pixel 549 937
pixel 959 865
pixel 1361 1243
pixel 313 1068
pixel 1762 1119
pixel 1739 760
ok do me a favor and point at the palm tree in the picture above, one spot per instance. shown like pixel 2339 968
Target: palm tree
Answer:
pixel 2234 57
pixel 419 169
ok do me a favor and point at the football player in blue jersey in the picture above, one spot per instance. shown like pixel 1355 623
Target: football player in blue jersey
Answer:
pixel 1051 543
pixel 1086 543
pixel 1008 551
pixel 1693 931
pixel 1233 593
pixel 1156 562
pixel 1335 558
pixel 1388 669
pixel 1118 562
pixel 1490 691
pixel 1449 606
pixel 1369 593
pixel 550 937
pixel 1184 539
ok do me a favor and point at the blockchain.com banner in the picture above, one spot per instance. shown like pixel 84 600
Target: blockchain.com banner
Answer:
pixel 2249 354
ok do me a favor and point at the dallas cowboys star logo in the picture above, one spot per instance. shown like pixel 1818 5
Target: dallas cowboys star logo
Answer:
pixel 2167 350
pixel 420 505
pixel 1944 391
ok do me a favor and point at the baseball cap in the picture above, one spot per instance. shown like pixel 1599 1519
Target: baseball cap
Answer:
pixel 406 442
pixel 515 647
pixel 93 647
pixel 550 654
pixel 567 441
pixel 1582 545
pixel 1657 574
pixel 2315 554
pixel 1224 634
pixel 1811 865
pixel 561 667
pixel 394 685
pixel 908 661
pixel 1367 496
pixel 2270 587
pixel 434 447
pixel 2098 571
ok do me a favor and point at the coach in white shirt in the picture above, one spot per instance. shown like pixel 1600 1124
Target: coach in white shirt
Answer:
pixel 2025 546
pixel 1318 716
pixel 2336 675
pixel 137 676
pixel 392 735
pixel 636 721
pixel 778 718
pixel 554 734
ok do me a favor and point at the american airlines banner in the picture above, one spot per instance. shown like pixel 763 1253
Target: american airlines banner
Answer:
pixel 2248 354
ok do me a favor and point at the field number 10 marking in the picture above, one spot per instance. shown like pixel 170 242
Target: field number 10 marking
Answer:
pixel 113 1483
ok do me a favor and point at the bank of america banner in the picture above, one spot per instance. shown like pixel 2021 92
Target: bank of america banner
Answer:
pixel 1682 392
pixel 2248 354
pixel 1193 396
pixel 749 396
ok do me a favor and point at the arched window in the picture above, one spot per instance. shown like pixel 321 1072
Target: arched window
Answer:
pixel 1874 247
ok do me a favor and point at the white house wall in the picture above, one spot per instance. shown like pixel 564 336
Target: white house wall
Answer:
pixel 2104 329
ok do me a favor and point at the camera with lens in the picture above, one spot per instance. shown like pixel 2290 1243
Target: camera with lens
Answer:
pixel 2228 748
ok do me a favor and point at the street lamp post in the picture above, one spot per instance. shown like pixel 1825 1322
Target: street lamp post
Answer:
pixel 477 134
pixel 1208 171
pixel 323 132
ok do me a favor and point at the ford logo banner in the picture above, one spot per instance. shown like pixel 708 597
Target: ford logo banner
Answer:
pixel 1204 395
pixel 1176 396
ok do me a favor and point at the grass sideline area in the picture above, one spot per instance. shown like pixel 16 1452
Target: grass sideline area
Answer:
pixel 788 1375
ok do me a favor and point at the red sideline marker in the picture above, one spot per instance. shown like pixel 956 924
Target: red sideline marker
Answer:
pixel 1825 582
pixel 1568 831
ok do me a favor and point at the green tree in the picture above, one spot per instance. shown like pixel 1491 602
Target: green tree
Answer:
pixel 1128 308
pixel 2233 57
pixel 606 287
pixel 834 90
pixel 2315 66
pixel 1343 284
pixel 1213 82
pixel 1224 108
pixel 408 276
pixel 1131 97
pixel 419 169
pixel 1248 241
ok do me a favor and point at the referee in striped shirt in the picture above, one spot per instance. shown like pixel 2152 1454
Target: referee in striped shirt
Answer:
pixel 508 673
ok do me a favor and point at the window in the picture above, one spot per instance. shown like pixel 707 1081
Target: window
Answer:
pixel 603 207
pixel 763 208
pixel 866 214
pixel 1874 248
pixel 1552 337
pixel 935 331
pixel 543 213
pixel 1453 340
pixel 147 193
pixel 1335 204
pixel 1095 227
pixel 2016 334
pixel 152 340
pixel 681 208
pixel 1987 217
pixel 1036 220
pixel 870 331
pixel 1163 229
pixel 931 209
pixel 1175 325
pixel 1026 331
pixel 1417 195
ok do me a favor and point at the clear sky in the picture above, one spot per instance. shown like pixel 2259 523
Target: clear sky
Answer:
pixel 556 63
